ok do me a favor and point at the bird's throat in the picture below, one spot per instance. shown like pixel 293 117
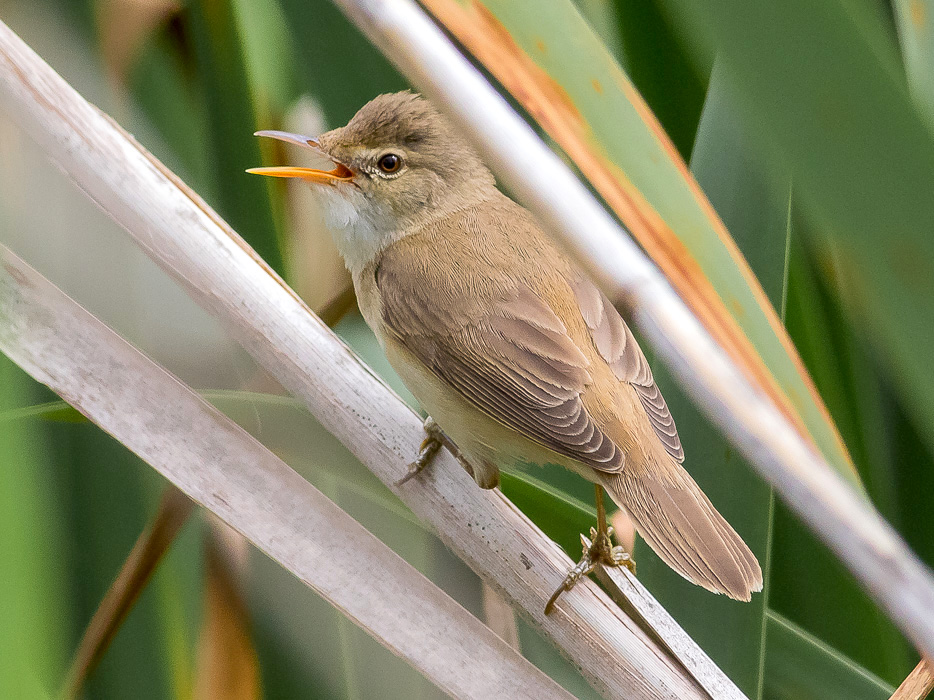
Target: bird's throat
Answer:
pixel 360 229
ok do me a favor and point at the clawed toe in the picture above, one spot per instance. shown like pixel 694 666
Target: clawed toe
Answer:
pixel 424 458
pixel 434 440
pixel 598 549
pixel 620 557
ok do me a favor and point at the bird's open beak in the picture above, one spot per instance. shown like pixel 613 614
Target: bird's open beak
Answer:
pixel 341 172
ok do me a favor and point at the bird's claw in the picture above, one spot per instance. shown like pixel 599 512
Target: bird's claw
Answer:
pixel 434 440
pixel 610 554
pixel 598 549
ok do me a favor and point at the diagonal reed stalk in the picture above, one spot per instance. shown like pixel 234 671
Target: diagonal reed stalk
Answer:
pixel 181 233
pixel 143 560
pixel 221 467
pixel 871 549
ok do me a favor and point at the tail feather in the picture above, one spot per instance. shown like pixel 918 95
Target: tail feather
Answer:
pixel 680 523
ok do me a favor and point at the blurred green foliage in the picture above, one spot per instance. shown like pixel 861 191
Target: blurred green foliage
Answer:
pixel 34 622
pixel 813 144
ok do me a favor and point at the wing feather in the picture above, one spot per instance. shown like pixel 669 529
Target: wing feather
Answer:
pixel 514 360
pixel 497 343
pixel 616 344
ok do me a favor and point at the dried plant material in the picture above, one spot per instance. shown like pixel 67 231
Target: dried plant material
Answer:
pixel 918 684
pixel 125 25
pixel 227 666
pixel 222 468
pixel 140 565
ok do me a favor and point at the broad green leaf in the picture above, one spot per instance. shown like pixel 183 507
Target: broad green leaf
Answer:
pixel 810 586
pixel 163 85
pixel 801 667
pixel 339 66
pixel 269 56
pixel 602 15
pixel 914 480
pixel 232 117
pixel 664 75
pixel 757 213
pixel 549 58
pixel 33 602
pixel 837 359
pixel 832 107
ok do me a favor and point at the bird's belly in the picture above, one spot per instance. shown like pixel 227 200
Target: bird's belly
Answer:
pixel 486 443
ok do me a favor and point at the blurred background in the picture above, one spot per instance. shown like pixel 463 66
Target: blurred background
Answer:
pixel 192 80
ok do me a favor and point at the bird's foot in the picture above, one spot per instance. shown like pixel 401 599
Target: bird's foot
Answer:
pixel 434 440
pixel 598 549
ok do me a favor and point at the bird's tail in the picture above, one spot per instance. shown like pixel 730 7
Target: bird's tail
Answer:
pixel 680 523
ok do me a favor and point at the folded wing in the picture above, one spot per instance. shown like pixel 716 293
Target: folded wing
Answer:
pixel 513 360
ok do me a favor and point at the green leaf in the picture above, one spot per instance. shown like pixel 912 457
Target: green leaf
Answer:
pixel 339 66
pixel 269 56
pixel 603 16
pixel 33 611
pixel 52 410
pixel 163 85
pixel 834 109
pixel 232 117
pixel 661 71
pixel 916 36
pixel 811 587
pixel 801 667
pixel 757 213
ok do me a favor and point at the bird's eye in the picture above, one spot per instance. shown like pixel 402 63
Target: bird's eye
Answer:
pixel 390 163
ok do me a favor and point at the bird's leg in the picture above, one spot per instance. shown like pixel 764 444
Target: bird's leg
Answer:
pixel 435 439
pixel 598 549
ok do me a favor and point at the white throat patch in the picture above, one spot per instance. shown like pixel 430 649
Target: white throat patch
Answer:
pixel 355 224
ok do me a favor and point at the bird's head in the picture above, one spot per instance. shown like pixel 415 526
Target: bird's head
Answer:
pixel 398 163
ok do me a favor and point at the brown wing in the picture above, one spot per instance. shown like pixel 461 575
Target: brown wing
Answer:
pixel 670 511
pixel 619 348
pixel 507 352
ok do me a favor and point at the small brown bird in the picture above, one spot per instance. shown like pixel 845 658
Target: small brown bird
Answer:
pixel 504 340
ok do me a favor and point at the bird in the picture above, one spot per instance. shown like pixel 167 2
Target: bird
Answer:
pixel 514 352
